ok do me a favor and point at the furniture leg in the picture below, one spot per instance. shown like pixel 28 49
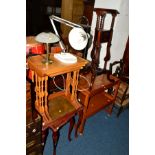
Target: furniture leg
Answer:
pixel 81 128
pixel 72 122
pixel 44 136
pixel 55 137
pixel 79 122
pixel 109 109
pixel 119 111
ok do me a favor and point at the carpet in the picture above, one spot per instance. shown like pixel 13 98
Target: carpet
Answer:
pixel 103 135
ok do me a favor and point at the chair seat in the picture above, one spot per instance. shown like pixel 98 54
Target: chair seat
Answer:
pixel 120 101
pixel 122 88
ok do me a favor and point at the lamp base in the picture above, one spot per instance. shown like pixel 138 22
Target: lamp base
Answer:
pixel 47 60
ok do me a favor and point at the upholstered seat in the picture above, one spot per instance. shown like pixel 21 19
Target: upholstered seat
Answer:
pixel 59 107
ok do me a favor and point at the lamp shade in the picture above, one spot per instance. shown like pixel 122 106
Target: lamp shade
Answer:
pixel 78 38
pixel 47 37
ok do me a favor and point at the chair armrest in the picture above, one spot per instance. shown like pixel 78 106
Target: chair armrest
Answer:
pixel 115 63
pixel 119 71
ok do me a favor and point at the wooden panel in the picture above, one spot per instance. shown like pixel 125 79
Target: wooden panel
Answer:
pixel 71 10
pixel 78 7
pixel 66 13
pixel 97 103
pixel 88 9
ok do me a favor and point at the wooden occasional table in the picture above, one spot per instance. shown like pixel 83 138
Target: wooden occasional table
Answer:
pixel 100 96
pixel 60 107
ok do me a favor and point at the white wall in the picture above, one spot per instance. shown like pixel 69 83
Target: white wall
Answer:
pixel 121 28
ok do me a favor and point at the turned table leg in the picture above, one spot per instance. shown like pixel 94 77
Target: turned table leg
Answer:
pixel 80 113
pixel 55 137
pixel 81 128
pixel 72 122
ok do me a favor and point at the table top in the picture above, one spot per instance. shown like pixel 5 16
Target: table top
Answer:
pixel 101 82
pixel 56 68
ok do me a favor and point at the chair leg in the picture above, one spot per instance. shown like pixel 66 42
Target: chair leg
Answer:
pixel 55 137
pixel 72 122
pixel 80 113
pixel 119 111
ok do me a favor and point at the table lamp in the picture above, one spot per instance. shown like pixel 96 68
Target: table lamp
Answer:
pixel 47 37
pixel 78 39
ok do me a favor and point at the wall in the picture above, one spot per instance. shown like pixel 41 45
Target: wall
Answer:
pixel 121 28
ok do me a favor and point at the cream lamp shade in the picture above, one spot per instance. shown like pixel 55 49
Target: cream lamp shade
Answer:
pixel 47 37
pixel 78 38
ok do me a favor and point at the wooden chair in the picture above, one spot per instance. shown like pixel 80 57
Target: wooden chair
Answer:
pixel 122 98
pixel 120 69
